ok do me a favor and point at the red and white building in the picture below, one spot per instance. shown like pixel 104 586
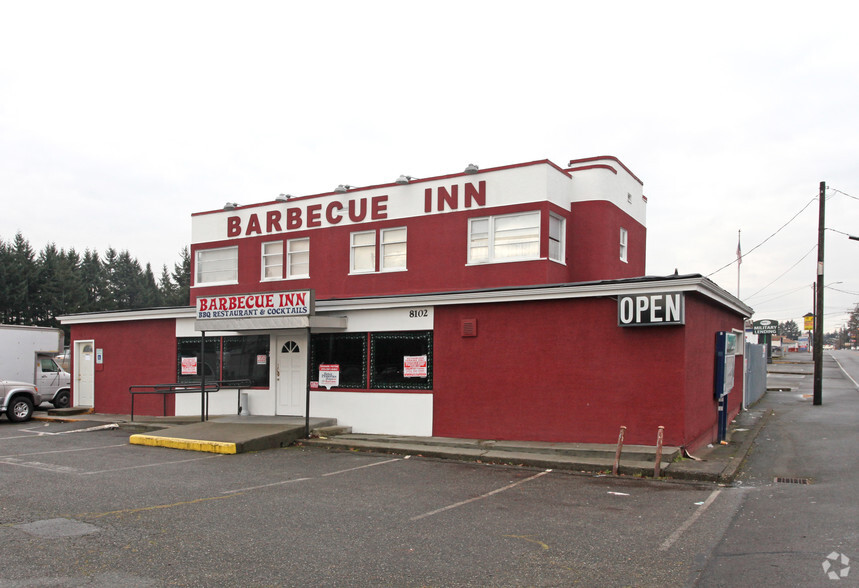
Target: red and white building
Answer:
pixel 505 303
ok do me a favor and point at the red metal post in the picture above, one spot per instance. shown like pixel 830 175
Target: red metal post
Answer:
pixel 619 449
pixel 658 464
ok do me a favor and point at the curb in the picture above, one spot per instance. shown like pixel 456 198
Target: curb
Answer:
pixel 186 444
pixel 730 472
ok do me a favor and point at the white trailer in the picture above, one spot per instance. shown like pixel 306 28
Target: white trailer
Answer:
pixel 28 354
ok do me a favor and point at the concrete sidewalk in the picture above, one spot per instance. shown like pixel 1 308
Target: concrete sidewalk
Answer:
pixel 237 434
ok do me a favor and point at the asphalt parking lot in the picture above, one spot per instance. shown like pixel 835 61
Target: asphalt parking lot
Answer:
pixel 82 507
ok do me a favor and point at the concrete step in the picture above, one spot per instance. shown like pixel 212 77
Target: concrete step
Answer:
pixel 72 410
pixel 595 450
pixel 535 454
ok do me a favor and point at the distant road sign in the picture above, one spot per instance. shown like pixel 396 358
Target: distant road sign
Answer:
pixel 765 327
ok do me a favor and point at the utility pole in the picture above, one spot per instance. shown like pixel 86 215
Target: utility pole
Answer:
pixel 818 311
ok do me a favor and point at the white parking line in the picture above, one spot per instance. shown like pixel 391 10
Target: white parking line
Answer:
pixel 481 497
pixel 151 465
pixel 65 450
pixel 37 465
pixel 281 483
pixel 688 522
pixel 369 465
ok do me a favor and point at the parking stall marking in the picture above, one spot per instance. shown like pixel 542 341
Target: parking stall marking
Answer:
pixel 369 465
pixel 150 465
pixel 64 450
pixel 476 498
pixel 666 545
pixel 37 465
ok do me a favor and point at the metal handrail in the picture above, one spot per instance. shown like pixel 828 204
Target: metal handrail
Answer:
pixel 189 387
pixel 165 389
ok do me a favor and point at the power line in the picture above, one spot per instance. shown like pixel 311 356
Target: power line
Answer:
pixel 767 239
pixel 843 193
pixel 785 272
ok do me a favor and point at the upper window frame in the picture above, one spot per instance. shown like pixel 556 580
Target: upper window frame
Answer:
pixel 264 257
pixel 353 247
pixel 289 253
pixel 561 240
pixel 383 266
pixel 198 266
pixel 624 245
pixel 491 235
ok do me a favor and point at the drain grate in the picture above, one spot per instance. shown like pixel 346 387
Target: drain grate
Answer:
pixel 793 480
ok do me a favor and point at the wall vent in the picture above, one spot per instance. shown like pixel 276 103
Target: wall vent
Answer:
pixel 469 327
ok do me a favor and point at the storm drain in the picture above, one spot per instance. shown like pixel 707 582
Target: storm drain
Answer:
pixel 793 480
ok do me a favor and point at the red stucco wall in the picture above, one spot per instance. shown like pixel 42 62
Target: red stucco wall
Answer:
pixel 703 320
pixel 438 255
pixel 135 352
pixel 556 371
pixel 564 371
pixel 594 242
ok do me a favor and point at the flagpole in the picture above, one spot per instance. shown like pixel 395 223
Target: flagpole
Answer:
pixel 739 261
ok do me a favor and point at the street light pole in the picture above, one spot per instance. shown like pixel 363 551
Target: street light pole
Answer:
pixel 818 311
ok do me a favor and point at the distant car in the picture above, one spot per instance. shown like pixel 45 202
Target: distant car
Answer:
pixel 17 400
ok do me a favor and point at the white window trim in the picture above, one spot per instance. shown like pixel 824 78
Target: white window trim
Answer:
pixel 561 241
pixel 197 283
pixel 289 274
pixel 382 244
pixel 624 245
pixel 352 270
pixel 263 267
pixel 491 239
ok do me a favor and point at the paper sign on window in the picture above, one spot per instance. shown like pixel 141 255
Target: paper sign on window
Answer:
pixel 415 366
pixel 329 375
pixel 189 366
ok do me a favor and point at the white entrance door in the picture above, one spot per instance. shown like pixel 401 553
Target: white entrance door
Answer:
pixel 291 373
pixel 84 373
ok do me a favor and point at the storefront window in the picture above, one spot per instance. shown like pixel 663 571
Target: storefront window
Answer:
pixel 227 358
pixel 348 350
pixel 188 359
pixel 401 360
pixel 246 358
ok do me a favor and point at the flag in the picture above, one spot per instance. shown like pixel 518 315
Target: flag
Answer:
pixel 739 251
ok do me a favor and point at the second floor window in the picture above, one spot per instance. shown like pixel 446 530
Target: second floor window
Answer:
pixel 272 260
pixel 511 237
pixel 389 246
pixel 556 238
pixel 363 252
pixel 217 266
pixel 623 245
pixel 393 249
pixel 298 258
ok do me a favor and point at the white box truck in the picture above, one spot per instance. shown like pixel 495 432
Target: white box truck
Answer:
pixel 28 354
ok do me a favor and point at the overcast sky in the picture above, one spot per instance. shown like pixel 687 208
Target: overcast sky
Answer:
pixel 120 119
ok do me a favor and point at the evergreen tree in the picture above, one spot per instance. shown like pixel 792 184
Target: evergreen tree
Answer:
pixel 35 290
pixel 93 282
pixel 23 282
pixel 182 279
pixel 167 288
pixel 150 295
pixel 5 282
